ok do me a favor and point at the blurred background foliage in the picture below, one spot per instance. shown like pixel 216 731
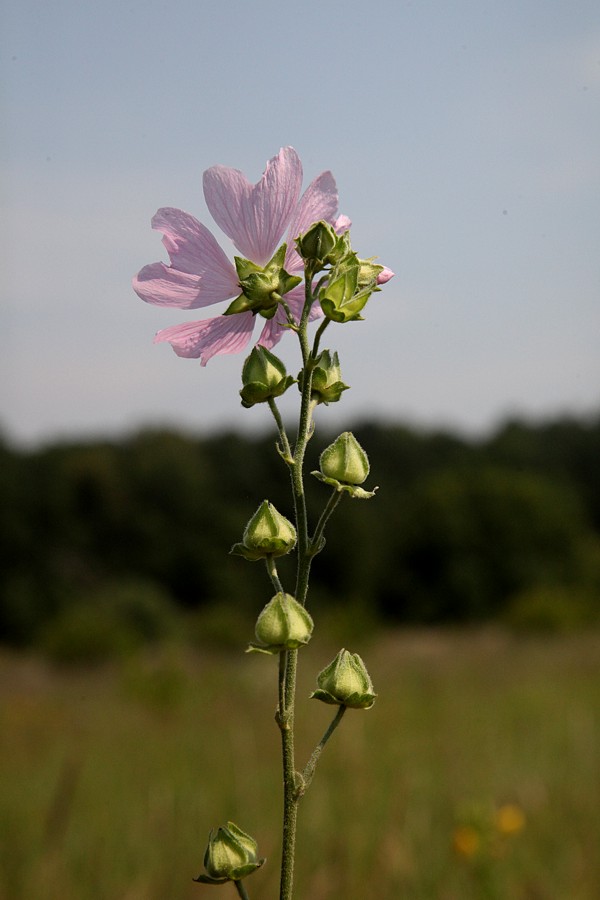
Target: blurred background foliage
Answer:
pixel 109 544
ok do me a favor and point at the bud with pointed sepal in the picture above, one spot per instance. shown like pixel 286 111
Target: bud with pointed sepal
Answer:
pixel 268 533
pixel 263 376
pixel 284 624
pixel 231 855
pixel 327 385
pixel 345 465
pixel 345 682
pixel 322 246
pixel 262 287
pixel 348 288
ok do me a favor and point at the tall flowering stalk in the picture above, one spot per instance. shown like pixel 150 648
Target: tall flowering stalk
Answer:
pixel 314 274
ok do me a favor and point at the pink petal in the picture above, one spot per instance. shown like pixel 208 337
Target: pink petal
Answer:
pixel 255 217
pixel 190 245
pixel 341 224
pixel 205 339
pixel 162 286
pixel 274 330
pixel 385 276
pixel 319 201
pixel 200 274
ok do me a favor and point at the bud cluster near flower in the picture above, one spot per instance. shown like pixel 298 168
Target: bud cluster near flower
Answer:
pixel 262 286
pixel 322 246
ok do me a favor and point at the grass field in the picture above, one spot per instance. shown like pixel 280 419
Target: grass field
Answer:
pixel 475 775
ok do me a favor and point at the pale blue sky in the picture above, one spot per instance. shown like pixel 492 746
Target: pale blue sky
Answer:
pixel 465 140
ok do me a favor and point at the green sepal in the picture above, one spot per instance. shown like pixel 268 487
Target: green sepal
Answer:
pixel 262 287
pixel 350 285
pixel 326 386
pixel 256 392
pixel 354 701
pixel 356 492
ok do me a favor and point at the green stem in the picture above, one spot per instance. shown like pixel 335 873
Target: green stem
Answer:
pixel 241 890
pixel 285 444
pixel 272 570
pixel 318 336
pixel 309 770
pixel 288 665
pixel 333 501
pixel 290 801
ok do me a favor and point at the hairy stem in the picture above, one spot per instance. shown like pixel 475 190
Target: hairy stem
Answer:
pixel 272 570
pixel 333 501
pixel 309 770
pixel 287 678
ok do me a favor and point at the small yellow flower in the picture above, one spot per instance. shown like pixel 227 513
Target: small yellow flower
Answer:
pixel 466 841
pixel 510 819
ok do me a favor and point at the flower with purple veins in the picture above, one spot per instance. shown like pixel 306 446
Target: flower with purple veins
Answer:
pixel 255 217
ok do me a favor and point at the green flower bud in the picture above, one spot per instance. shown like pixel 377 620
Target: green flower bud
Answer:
pixel 350 285
pixel 263 376
pixel 327 384
pixel 368 273
pixel 284 624
pixel 344 465
pixel 268 533
pixel 231 855
pixel 345 682
pixel 262 287
pixel 322 246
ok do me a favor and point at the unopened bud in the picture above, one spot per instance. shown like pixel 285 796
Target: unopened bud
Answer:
pixel 284 624
pixel 322 246
pixel 268 533
pixel 327 384
pixel 263 376
pixel 345 682
pixel 231 855
pixel 345 460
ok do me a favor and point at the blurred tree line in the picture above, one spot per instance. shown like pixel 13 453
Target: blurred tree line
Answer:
pixel 459 531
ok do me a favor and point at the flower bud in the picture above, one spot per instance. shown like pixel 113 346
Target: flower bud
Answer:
pixel 345 460
pixel 345 682
pixel 345 465
pixel 322 245
pixel 263 376
pixel 284 624
pixel 268 533
pixel 351 283
pixel 327 384
pixel 231 855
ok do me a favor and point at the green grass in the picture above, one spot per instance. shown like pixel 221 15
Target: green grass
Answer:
pixel 112 778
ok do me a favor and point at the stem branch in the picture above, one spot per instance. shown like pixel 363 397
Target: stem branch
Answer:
pixel 309 770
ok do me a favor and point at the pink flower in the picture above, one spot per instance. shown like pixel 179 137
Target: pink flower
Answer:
pixel 256 218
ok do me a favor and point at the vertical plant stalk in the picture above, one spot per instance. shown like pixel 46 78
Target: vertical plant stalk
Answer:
pixel 289 658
